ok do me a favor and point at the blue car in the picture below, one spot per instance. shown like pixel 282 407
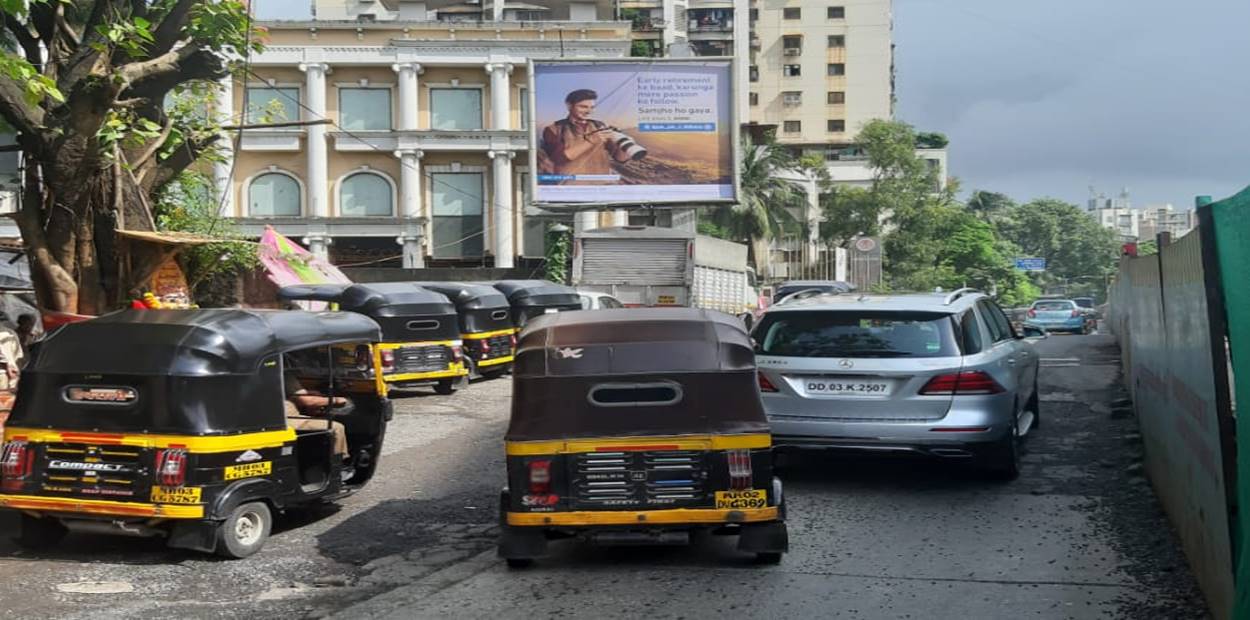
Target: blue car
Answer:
pixel 1057 315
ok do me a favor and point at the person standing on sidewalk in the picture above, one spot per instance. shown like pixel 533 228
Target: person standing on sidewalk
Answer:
pixel 12 355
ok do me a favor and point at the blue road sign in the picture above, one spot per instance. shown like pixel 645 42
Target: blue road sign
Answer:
pixel 1031 264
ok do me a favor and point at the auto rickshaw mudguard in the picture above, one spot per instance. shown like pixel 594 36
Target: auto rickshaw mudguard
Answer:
pixel 243 491
pixel 194 535
pixel 518 543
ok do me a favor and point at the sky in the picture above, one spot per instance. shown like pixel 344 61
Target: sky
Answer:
pixel 1049 98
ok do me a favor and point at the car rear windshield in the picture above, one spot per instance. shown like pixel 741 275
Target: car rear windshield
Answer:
pixel 856 334
pixel 1052 306
pixel 1084 302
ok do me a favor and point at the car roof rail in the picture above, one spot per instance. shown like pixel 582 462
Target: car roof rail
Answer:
pixel 803 294
pixel 957 293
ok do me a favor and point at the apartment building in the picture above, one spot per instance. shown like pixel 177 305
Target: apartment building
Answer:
pixel 424 153
pixel 1160 218
pixel 819 70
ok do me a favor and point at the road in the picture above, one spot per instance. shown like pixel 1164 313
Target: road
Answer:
pixel 1079 535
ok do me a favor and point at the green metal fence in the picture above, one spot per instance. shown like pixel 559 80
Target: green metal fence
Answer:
pixel 1230 221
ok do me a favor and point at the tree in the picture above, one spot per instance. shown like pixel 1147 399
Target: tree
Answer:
pixel 765 201
pixel 1073 243
pixel 848 212
pixel 92 125
pixel 190 204
pixel 989 205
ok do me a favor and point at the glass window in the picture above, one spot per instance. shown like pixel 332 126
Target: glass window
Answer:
pixel 792 13
pixel 792 42
pixel 1054 306
pixel 587 302
pixel 1000 319
pixel 273 194
pixel 455 108
pixel 857 334
pixel 365 194
pixel 836 12
pixel 996 330
pixel 755 73
pixel 525 108
pixel 610 302
pixel 835 68
pixel 973 339
pixel 365 109
pixel 837 40
pixel 835 125
pixel 791 70
pixel 457 214
pixel 753 98
pixel 267 104
pixel 835 97
pixel 792 126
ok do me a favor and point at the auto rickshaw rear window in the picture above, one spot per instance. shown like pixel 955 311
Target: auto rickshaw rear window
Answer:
pixel 636 394
pixel 422 325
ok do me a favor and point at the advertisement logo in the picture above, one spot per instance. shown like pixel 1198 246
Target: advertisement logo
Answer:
pixel 93 467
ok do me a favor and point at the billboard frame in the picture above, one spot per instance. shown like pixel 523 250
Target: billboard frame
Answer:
pixel 573 207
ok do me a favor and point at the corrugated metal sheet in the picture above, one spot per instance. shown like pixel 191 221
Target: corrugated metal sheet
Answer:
pixel 1161 319
pixel 634 261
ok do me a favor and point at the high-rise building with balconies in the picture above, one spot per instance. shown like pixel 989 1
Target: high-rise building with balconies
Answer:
pixel 820 69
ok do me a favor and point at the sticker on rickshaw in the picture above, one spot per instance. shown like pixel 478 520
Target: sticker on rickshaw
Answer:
pixel 533 501
pixel 175 495
pixel 248 470
pixel 737 500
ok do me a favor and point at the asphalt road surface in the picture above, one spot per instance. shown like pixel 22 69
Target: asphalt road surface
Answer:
pixel 1079 535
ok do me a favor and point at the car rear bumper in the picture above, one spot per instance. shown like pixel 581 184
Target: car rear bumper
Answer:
pixel 962 433
pixel 1076 324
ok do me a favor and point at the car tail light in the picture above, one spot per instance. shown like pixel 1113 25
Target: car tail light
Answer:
pixel 1032 313
pixel 17 460
pixel 740 476
pixel 388 360
pixel 171 467
pixel 540 477
pixel 765 384
pixel 961 383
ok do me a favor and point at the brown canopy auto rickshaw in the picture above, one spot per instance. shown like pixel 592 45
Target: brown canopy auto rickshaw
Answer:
pixel 638 425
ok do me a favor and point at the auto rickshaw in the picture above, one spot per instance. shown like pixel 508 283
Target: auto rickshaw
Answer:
pixel 485 326
pixel 420 335
pixel 531 298
pixel 638 426
pixel 173 423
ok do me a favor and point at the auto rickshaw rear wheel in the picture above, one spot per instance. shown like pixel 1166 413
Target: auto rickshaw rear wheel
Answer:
pixel 494 374
pixel 40 533
pixel 768 557
pixel 445 387
pixel 245 531
pixel 519 562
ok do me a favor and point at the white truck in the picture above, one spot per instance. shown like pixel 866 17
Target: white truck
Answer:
pixel 647 266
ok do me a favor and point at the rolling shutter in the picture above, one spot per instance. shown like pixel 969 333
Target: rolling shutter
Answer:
pixel 634 261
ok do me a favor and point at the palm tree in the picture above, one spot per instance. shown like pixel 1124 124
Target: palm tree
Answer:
pixel 765 200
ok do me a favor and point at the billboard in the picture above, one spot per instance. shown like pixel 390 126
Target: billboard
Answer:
pixel 629 132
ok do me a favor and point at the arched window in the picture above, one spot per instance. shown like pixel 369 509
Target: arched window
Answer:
pixel 365 194
pixel 273 194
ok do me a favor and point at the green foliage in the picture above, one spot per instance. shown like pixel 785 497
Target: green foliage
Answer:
pixel 990 206
pixel 36 86
pixel 189 204
pixel 1073 243
pixel 848 212
pixel 932 140
pixel 225 25
pixel 765 201
pixel 559 250
pixel 1148 247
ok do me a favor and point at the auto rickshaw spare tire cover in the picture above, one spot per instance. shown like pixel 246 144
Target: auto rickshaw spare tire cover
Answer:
pixel 703 359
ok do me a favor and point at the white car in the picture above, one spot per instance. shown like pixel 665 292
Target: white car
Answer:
pixel 594 300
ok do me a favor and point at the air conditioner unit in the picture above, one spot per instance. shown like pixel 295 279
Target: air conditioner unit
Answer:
pixel 792 99
pixel 793 51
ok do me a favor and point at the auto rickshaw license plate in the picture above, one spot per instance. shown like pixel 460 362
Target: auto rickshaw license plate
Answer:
pixel 176 495
pixel 737 500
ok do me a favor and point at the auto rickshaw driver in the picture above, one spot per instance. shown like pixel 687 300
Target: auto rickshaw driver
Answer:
pixel 309 410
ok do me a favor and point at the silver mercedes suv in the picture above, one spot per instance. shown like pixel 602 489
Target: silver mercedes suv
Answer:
pixel 941 374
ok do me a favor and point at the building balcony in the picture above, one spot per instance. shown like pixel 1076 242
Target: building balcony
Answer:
pixel 271 140
pixel 647 25
pixel 725 26
pixel 432 140
pixel 641 4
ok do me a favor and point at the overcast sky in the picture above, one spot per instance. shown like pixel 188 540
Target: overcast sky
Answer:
pixel 1048 98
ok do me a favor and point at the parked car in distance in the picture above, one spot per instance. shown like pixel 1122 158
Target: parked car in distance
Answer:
pixel 941 375
pixel 1058 315
pixel 594 300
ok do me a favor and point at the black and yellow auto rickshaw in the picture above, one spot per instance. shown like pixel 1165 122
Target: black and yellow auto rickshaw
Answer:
pixel 485 326
pixel 638 426
pixel 174 423
pixel 532 298
pixel 420 333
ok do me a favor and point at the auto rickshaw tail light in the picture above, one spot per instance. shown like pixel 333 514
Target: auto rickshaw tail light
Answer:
pixel 17 460
pixel 457 353
pixel 171 467
pixel 740 475
pixel 388 360
pixel 540 477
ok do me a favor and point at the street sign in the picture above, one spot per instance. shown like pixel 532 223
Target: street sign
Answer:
pixel 1031 264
